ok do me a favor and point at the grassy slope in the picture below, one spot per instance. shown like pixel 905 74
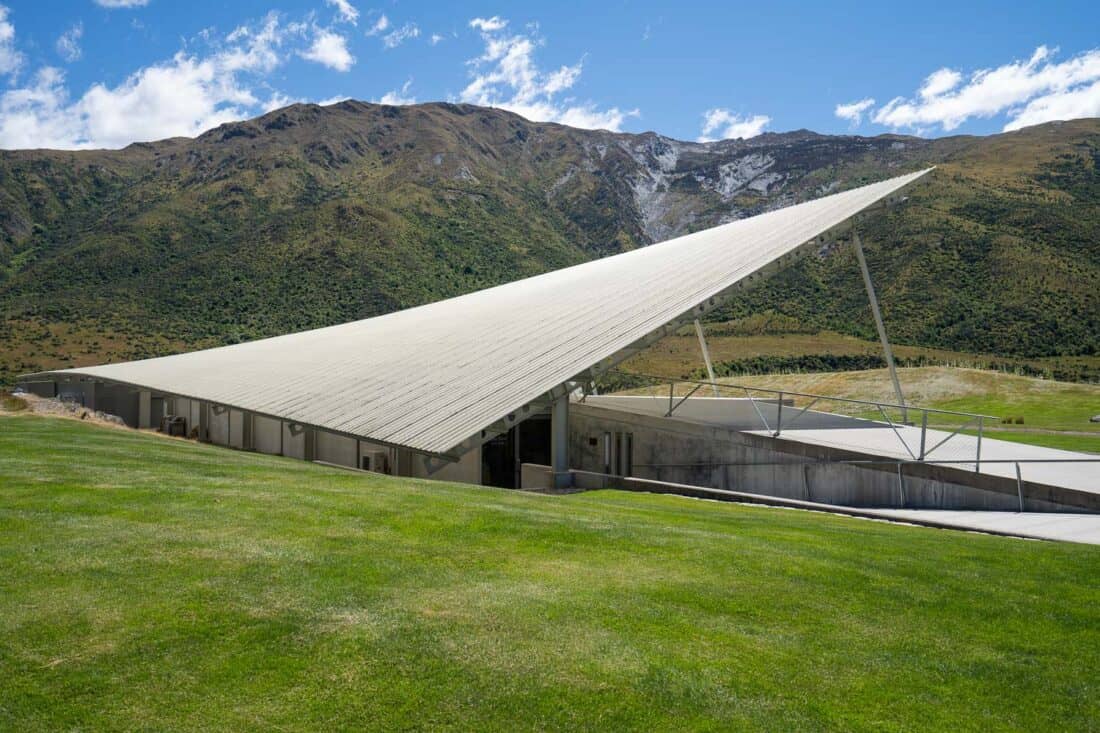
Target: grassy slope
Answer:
pixel 149 583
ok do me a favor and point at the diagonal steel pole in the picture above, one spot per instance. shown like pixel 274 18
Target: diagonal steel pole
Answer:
pixel 706 355
pixel 879 325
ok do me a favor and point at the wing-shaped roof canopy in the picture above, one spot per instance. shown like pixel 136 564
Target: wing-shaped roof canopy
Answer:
pixel 429 377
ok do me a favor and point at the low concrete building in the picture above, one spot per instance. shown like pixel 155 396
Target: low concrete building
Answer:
pixel 471 388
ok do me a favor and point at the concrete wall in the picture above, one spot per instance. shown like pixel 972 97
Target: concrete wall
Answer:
pixel 157 407
pixel 218 425
pixel 82 393
pixel 467 470
pixel 237 429
pixel 294 445
pixel 188 409
pixel 702 455
pixel 265 435
pixel 42 389
pixel 338 449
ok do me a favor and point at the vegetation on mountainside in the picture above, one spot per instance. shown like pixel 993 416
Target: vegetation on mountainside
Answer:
pixel 310 216
pixel 159 583
pixel 1003 264
pixel 765 343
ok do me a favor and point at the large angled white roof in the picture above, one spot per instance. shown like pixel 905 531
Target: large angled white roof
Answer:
pixel 430 377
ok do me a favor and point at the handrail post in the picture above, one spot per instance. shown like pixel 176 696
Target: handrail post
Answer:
pixel 779 416
pixel 671 388
pixel 978 453
pixel 901 487
pixel 923 432
pixel 1020 487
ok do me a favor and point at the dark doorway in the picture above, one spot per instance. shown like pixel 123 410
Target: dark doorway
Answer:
pixel 501 457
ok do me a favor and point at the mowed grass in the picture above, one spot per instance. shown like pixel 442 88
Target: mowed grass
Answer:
pixel 152 583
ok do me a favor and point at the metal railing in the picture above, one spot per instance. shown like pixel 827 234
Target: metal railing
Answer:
pixel 875 412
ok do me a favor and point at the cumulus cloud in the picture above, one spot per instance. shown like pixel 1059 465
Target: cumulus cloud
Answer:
pixel 398 97
pixel 489 25
pixel 10 58
pixel 506 76
pixel 1026 92
pixel 853 111
pixel 1083 101
pixel 68 44
pixel 397 37
pixel 184 95
pixel 329 49
pixel 121 3
pixel 721 124
pixel 435 38
pixel 345 10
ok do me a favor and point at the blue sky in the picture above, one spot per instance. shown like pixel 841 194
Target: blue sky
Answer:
pixel 103 73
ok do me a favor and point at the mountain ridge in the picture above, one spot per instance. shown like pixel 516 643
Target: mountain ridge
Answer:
pixel 309 215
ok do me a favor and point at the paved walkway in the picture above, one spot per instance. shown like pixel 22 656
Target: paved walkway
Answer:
pixel 1084 528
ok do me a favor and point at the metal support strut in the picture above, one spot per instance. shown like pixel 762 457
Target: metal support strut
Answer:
pixel 559 441
pixel 706 355
pixel 878 324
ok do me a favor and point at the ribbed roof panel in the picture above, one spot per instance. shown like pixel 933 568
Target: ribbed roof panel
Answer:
pixel 429 377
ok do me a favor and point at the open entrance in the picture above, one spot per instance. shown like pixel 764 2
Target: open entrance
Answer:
pixel 501 457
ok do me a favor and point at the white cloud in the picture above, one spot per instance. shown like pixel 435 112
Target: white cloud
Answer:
pixel 1069 105
pixel 853 112
pixel 379 26
pixel 1025 92
pixel 399 36
pixel 939 82
pixel 347 12
pixel 506 76
pixel 399 97
pixel 489 25
pixel 278 100
pixel 184 95
pixel 435 38
pixel 10 58
pixel 330 49
pixel 727 125
pixel 333 100
pixel 121 3
pixel 68 44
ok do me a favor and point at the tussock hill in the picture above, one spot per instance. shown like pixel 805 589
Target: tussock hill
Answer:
pixel 313 215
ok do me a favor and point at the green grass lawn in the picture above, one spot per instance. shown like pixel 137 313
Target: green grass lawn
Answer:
pixel 149 583
pixel 1061 441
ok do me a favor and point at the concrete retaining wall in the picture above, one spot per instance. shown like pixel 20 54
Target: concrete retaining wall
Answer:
pixel 717 457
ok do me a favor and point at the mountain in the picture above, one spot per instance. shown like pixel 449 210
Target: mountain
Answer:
pixel 309 216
